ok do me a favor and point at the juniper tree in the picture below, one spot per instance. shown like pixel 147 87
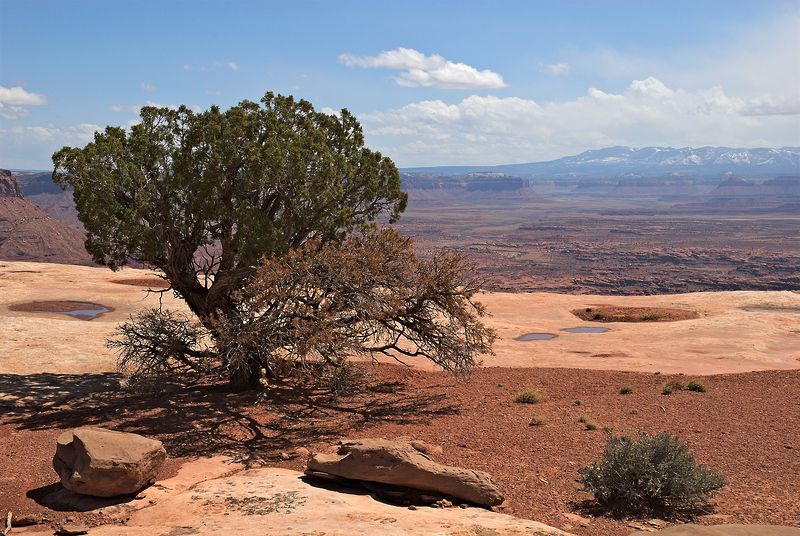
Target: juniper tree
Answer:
pixel 205 197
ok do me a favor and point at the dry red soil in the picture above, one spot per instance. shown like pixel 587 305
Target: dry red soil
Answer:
pixel 612 313
pixel 744 426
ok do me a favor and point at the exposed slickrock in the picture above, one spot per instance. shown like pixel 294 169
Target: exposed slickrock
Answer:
pixel 273 502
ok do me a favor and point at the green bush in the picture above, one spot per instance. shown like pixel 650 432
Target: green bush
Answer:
pixel 650 476
pixel 625 390
pixel 672 386
pixel 696 386
pixel 528 397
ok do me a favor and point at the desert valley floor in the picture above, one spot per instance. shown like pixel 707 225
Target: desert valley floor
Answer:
pixel 55 373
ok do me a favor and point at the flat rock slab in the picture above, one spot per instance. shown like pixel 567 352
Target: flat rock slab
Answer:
pixel 724 530
pixel 277 502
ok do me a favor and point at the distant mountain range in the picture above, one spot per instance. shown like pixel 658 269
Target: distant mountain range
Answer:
pixel 648 161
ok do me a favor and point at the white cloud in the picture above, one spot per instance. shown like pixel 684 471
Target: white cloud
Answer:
pixel 426 71
pixel 493 130
pixel 213 66
pixel 14 102
pixel 147 87
pixel 31 147
pixel 135 108
pixel 558 69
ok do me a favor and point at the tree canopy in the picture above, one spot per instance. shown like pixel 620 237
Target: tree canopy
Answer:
pixel 203 196
pixel 262 218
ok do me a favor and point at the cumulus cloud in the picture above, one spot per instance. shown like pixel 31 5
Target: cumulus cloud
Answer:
pixel 419 70
pixel 30 147
pixel 147 87
pixel 558 69
pixel 492 130
pixel 15 100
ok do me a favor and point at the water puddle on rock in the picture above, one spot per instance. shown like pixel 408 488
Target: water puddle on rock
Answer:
pixel 76 309
pixel 536 337
pixel 585 329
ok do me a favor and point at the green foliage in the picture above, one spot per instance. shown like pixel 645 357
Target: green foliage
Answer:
pixel 696 386
pixel 528 397
pixel 210 193
pixel 650 476
pixel 671 386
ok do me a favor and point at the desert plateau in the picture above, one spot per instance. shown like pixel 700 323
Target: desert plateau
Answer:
pixel 357 268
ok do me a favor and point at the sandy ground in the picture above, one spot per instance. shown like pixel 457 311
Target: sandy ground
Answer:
pixel 724 339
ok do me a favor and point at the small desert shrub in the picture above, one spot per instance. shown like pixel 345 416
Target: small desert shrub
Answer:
pixel 696 386
pixel 345 379
pixel 587 423
pixel 671 386
pixel 650 476
pixel 528 397
pixel 625 390
pixel 576 402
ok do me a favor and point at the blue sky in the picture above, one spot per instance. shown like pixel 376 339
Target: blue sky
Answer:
pixel 432 82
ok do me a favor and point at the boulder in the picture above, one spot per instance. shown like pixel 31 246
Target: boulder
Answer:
pixel 398 463
pixel 105 463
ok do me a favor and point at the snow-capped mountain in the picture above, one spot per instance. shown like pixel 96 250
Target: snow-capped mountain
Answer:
pixel 618 161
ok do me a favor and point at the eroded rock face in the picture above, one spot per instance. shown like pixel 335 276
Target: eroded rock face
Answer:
pixel 9 187
pixel 398 463
pixel 106 463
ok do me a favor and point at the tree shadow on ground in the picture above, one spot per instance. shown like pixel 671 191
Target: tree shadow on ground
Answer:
pixel 208 418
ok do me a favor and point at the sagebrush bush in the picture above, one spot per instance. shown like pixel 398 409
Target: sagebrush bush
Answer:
pixel 345 379
pixel 536 421
pixel 528 397
pixel 651 475
pixel 625 390
pixel 696 386
pixel 671 386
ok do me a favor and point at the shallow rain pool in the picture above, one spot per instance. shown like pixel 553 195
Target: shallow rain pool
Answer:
pixel 536 337
pixel 585 329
